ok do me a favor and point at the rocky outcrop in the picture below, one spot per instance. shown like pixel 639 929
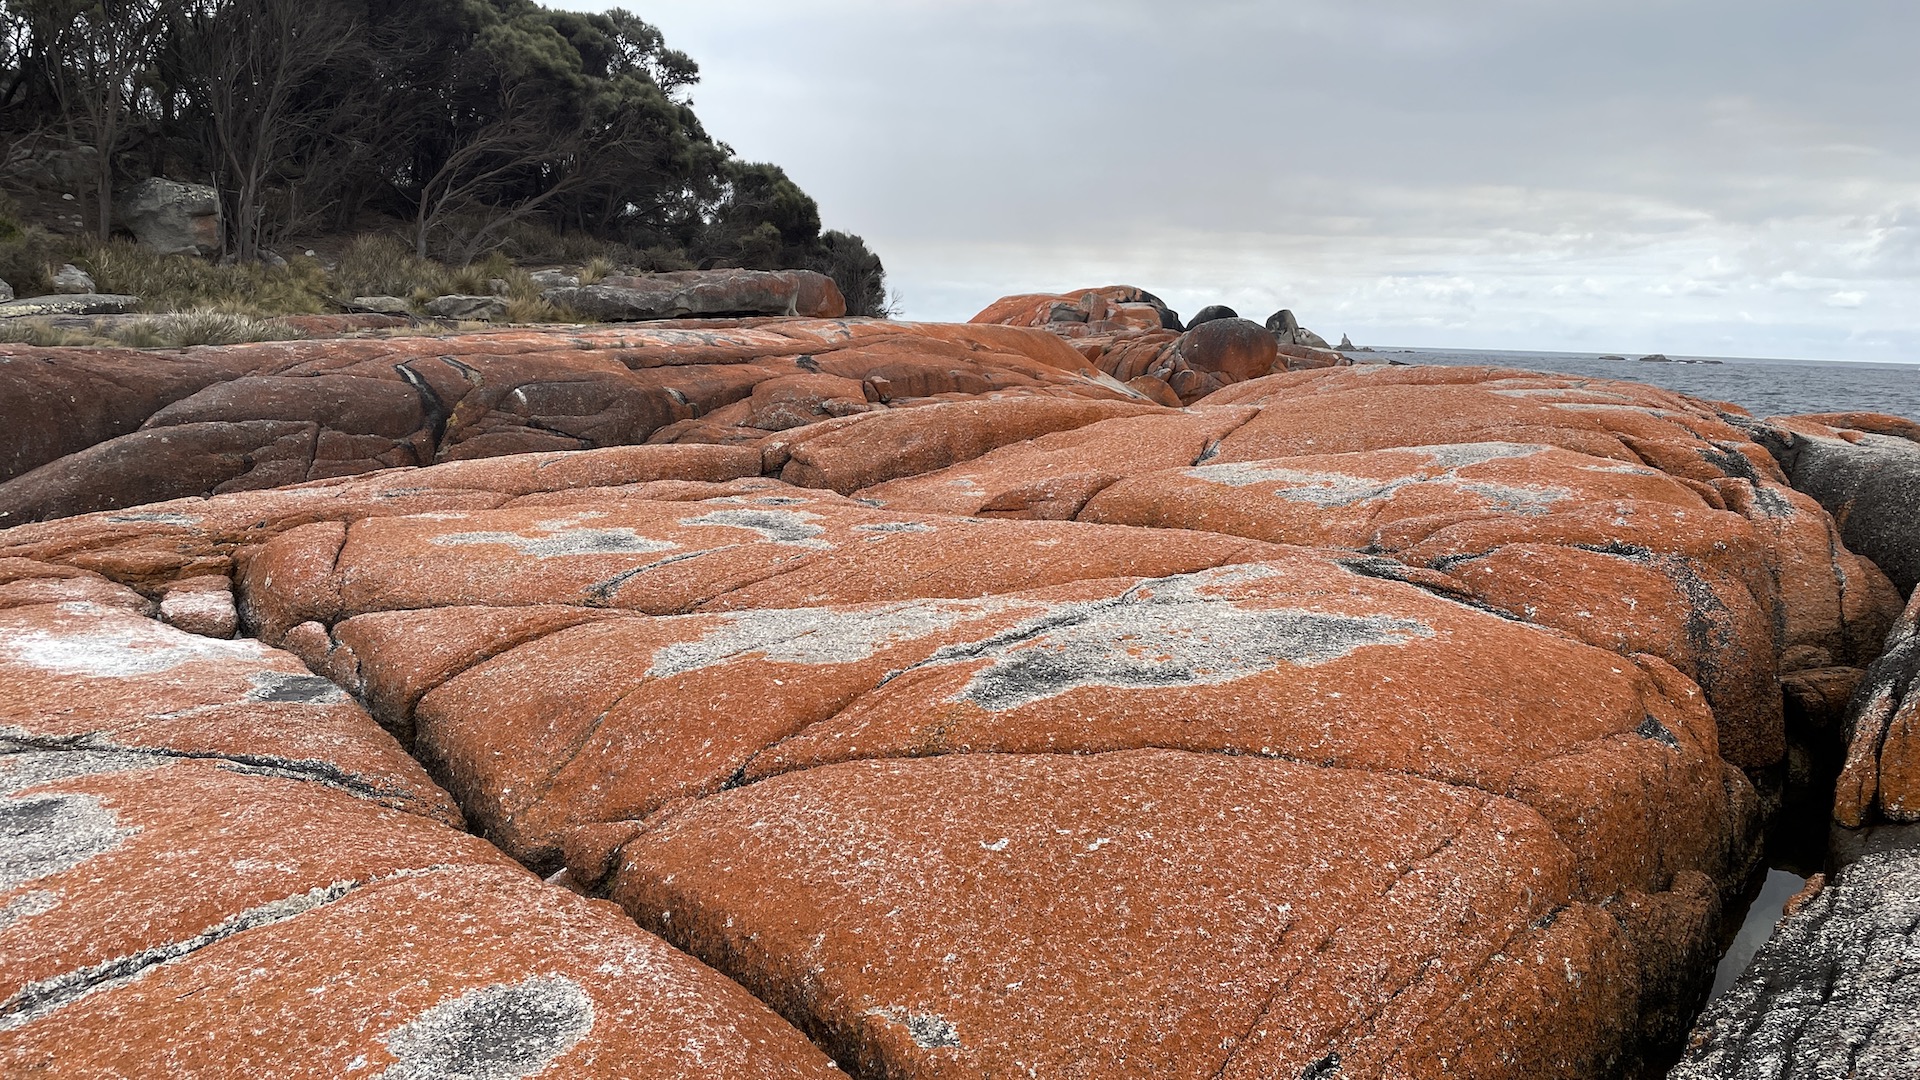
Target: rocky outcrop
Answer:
pixel 926 703
pixel 207 420
pixel 70 280
pixel 703 293
pixel 34 307
pixel 1836 991
pixel 1880 779
pixel 477 308
pixel 171 217
pixel 1865 469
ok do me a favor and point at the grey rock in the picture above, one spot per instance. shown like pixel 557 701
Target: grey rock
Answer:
pixel 171 217
pixel 75 304
pixel 1288 330
pixel 60 169
pixel 1209 314
pixel 554 279
pixel 1871 487
pixel 6 292
pixel 695 293
pixel 1835 994
pixel 499 287
pixel 482 308
pixel 70 280
pixel 385 305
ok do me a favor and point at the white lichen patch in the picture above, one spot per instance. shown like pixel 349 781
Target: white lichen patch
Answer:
pixel 894 527
pixel 152 517
pixel 41 835
pixel 1516 498
pixel 1171 632
pixel 777 526
pixel 822 635
pixel 563 542
pixel 501 1032
pixel 26 905
pixel 1461 455
pixel 119 648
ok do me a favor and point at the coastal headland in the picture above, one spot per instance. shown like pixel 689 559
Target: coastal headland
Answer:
pixel 1070 692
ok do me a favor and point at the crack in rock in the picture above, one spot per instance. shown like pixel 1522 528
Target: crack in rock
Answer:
pixel 501 1032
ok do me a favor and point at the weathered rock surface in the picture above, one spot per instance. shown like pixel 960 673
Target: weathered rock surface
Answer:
pixel 976 715
pixel 84 303
pixel 1880 779
pixel 1865 469
pixel 93 436
pixel 70 280
pixel 1836 992
pixel 171 217
pixel 703 293
pixel 480 308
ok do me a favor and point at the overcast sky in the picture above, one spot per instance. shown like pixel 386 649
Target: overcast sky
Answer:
pixel 1722 177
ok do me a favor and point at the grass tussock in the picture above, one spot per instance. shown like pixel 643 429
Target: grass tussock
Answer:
pixel 39 332
pixel 169 283
pixel 200 328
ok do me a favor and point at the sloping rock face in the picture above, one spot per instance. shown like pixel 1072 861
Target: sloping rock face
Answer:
pixel 695 293
pixel 1836 993
pixel 1865 469
pixel 1880 780
pixel 1359 722
pixel 104 429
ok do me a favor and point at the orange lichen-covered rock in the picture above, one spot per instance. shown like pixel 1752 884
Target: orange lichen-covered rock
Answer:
pixel 76 674
pixel 247 417
pixel 1226 914
pixel 1881 774
pixel 193 921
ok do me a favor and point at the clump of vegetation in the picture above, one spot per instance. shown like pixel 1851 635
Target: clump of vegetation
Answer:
pixel 484 125
pixel 39 332
pixel 25 252
pixel 184 283
pixel 200 328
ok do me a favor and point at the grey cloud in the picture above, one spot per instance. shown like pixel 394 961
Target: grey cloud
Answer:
pixel 1696 176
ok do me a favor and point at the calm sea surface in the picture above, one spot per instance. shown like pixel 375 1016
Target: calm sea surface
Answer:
pixel 1762 387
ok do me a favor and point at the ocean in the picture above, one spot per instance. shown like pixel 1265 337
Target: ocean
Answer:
pixel 1762 387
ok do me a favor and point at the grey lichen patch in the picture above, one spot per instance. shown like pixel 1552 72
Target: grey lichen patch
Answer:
pixel 793 527
pixel 500 1032
pixel 152 517
pixel 928 1031
pixel 1171 632
pixel 24 765
pixel 41 835
pixel 894 527
pixel 821 635
pixel 1332 490
pixel 562 542
pixel 1517 498
pixel 1653 730
pixel 120 648
pixel 283 687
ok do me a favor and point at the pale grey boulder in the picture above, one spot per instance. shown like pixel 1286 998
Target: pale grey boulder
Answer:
pixel 480 308
pixel 70 280
pixel 171 217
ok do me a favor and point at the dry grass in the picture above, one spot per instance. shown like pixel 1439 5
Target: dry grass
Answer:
pixel 39 332
pixel 200 328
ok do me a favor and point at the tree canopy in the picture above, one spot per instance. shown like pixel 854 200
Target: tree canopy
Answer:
pixel 467 119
